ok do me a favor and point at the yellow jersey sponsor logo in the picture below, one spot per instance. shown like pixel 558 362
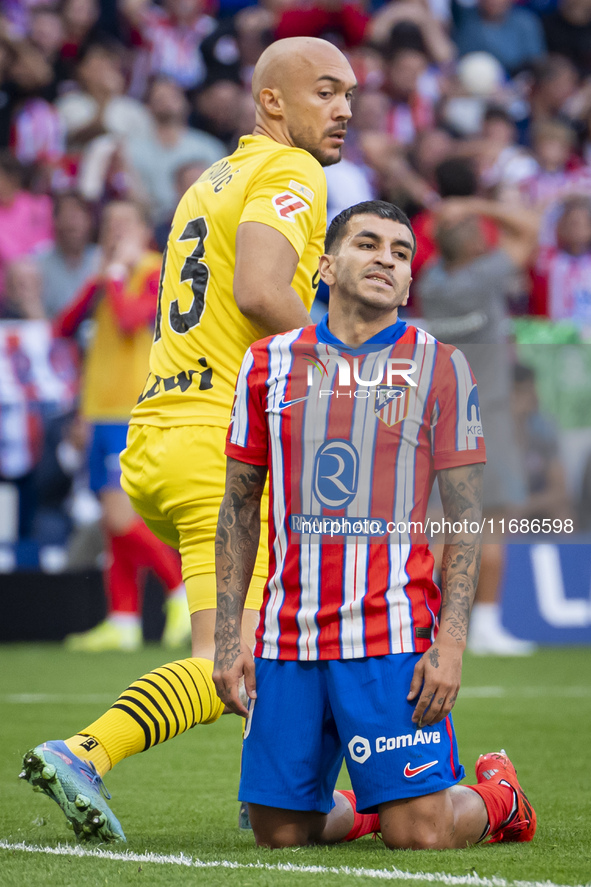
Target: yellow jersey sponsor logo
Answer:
pixel 288 205
pixel 182 381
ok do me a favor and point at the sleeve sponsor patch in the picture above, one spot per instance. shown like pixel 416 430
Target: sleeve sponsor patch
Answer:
pixel 301 189
pixel 288 205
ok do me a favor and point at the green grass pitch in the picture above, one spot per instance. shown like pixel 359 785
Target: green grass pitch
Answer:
pixel 180 798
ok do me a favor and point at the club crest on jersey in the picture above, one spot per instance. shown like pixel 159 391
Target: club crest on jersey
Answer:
pixel 288 205
pixel 391 403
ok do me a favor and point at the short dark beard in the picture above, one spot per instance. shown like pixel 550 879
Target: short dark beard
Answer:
pixel 322 158
pixel 327 161
pixel 300 141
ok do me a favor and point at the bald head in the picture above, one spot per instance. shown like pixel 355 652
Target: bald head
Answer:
pixel 302 88
pixel 287 59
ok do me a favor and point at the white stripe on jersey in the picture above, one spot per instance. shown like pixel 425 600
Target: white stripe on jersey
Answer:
pixel 424 355
pixel 364 427
pixel 280 359
pixel 239 433
pixel 313 435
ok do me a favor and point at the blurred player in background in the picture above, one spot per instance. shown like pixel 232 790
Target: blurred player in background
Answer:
pixel 121 300
pixel 242 261
pixel 355 638
pixel 465 300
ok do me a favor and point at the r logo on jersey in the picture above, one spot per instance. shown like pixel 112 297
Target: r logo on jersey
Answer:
pixel 288 205
pixel 336 473
pixel 391 405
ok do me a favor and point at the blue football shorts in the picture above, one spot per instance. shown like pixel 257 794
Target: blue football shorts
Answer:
pixel 106 443
pixel 308 716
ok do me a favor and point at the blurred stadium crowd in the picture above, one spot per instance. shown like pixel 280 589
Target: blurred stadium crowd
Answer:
pixel 472 115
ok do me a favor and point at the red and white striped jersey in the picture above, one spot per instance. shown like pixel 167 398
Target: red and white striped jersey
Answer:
pixel 352 439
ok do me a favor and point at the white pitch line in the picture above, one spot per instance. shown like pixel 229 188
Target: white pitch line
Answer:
pixel 57 698
pixel 389 874
pixel 492 692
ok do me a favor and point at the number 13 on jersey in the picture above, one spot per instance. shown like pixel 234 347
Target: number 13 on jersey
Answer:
pixel 195 270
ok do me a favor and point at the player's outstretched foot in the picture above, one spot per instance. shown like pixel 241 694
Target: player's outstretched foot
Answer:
pixel 75 785
pixel 521 825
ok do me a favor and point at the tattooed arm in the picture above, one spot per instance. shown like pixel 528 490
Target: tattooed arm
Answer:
pixel 438 673
pixel 236 545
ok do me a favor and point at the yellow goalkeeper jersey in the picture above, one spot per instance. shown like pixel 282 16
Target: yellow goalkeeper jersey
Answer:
pixel 200 336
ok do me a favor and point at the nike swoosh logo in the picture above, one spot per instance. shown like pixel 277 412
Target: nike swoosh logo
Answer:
pixel 412 771
pixel 285 403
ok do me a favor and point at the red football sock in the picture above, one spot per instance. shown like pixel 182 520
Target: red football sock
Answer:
pixel 122 579
pixel 131 553
pixel 364 823
pixel 499 800
pixel 143 549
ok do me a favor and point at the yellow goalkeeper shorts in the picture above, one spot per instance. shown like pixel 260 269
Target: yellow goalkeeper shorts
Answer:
pixel 175 478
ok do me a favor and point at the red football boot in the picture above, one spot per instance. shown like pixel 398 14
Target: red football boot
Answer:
pixel 521 824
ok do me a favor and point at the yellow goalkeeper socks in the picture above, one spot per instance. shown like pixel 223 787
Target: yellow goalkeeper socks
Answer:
pixel 157 707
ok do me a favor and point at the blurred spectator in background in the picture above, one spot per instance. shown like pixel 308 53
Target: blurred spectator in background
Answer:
pixel 464 301
pixel 347 183
pixel 553 143
pixel 184 177
pixel 537 435
pixel 454 177
pixel 82 28
pixel 172 144
pixel 23 295
pixel 224 109
pixel 568 32
pixel 553 82
pixel 168 40
pixel 231 51
pixel 38 385
pixel 430 148
pixel 411 24
pixel 122 300
pixel 73 258
pixel 343 23
pixel 26 224
pixel 99 117
pixel 36 131
pixel 504 165
pixel 479 83
pixel 47 34
pixel 412 93
pixel 512 34
pixel 562 273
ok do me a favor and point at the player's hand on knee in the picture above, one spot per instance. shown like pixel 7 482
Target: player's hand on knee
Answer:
pixel 435 685
pixel 227 677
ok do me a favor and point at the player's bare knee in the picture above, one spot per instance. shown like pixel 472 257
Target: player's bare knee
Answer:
pixel 423 823
pixel 415 839
pixel 280 839
pixel 280 828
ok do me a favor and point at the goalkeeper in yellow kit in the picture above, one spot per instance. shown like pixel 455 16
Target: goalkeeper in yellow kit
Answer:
pixel 241 263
